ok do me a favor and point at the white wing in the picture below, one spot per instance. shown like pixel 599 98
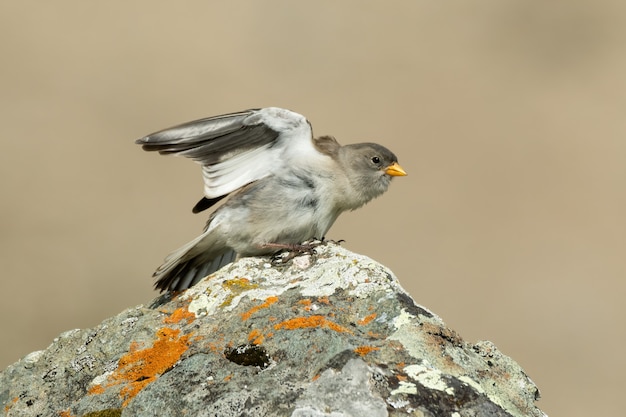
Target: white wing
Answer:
pixel 238 148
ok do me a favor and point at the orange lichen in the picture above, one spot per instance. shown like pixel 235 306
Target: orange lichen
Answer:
pixel 316 377
pixel 178 315
pixel 306 303
pixel 323 300
pixel 8 406
pixel 256 337
pixel 364 350
pixel 268 302
pixel 307 322
pixel 139 368
pixel 65 413
pixel 365 320
pixel 96 389
pixel 215 347
pixel 228 377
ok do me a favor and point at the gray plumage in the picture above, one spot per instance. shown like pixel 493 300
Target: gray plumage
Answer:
pixel 284 186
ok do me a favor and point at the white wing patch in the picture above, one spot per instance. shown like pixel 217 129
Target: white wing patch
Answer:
pixel 239 148
pixel 294 144
pixel 279 120
pixel 234 173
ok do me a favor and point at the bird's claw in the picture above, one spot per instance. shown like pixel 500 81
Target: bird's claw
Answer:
pixel 335 242
pixel 289 251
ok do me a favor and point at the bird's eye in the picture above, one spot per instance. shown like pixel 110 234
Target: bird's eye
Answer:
pixel 376 160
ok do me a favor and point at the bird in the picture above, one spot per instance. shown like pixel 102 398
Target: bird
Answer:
pixel 284 186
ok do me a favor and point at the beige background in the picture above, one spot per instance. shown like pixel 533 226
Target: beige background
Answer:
pixel 508 116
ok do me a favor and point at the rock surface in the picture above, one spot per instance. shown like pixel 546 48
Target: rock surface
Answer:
pixel 329 334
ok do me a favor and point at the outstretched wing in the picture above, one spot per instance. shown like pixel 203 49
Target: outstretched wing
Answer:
pixel 238 148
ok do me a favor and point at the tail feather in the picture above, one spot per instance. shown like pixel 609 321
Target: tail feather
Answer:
pixel 195 260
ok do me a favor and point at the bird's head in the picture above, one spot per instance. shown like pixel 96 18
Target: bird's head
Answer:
pixel 369 168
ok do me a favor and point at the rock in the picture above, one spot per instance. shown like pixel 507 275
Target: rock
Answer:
pixel 328 334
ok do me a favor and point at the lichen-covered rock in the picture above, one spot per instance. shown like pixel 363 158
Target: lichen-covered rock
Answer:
pixel 330 334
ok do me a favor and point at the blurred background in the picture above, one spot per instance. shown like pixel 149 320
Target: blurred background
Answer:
pixel 508 117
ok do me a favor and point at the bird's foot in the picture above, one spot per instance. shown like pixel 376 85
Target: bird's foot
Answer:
pixel 335 242
pixel 288 251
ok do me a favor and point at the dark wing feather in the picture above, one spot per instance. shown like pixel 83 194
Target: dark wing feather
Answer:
pixel 237 148
pixel 206 203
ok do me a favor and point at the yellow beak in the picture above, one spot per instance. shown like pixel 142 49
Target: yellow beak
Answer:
pixel 395 170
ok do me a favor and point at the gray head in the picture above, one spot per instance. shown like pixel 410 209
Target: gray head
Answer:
pixel 369 168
